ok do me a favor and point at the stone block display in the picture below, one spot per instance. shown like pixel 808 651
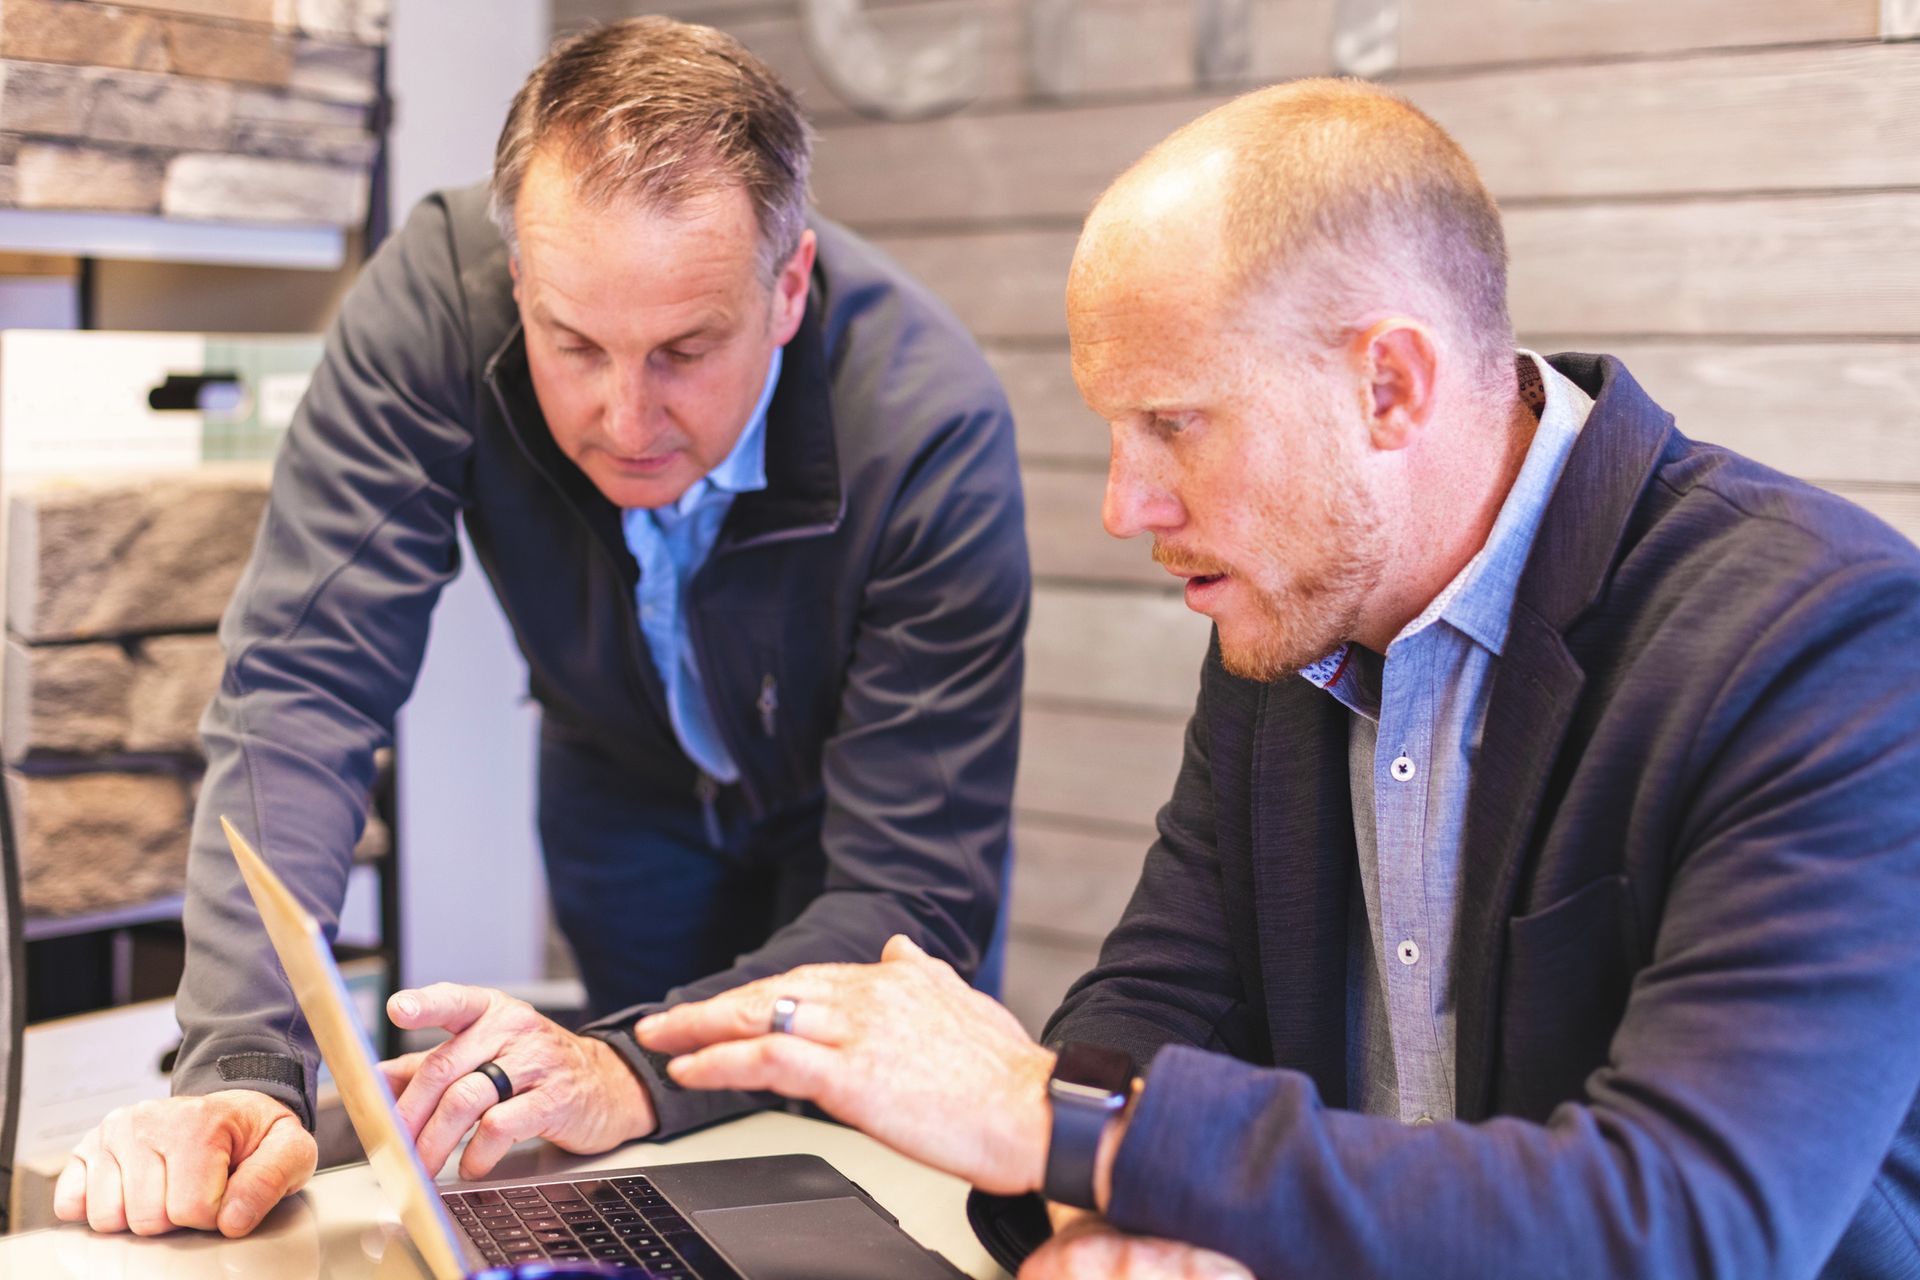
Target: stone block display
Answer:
pixel 68 699
pixel 174 677
pixel 230 110
pixel 111 658
pixel 96 841
pixel 92 560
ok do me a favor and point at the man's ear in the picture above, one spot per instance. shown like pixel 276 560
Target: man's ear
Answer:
pixel 513 269
pixel 1399 361
pixel 790 290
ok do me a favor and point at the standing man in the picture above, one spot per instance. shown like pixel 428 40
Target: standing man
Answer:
pixel 748 497
pixel 1537 896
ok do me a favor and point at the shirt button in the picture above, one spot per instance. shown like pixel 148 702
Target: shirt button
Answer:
pixel 1403 769
pixel 1424 1119
pixel 1409 952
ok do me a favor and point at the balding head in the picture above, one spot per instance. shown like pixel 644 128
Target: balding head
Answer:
pixel 1292 316
pixel 1338 190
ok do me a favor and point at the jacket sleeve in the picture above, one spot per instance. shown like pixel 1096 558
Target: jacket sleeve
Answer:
pixel 1759 1075
pixel 1166 974
pixel 323 641
pixel 919 770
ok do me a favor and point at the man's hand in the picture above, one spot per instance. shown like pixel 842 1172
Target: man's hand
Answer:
pixel 902 1050
pixel 221 1160
pixel 574 1091
pixel 1087 1248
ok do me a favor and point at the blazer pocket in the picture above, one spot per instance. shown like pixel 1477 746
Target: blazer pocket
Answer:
pixel 1569 969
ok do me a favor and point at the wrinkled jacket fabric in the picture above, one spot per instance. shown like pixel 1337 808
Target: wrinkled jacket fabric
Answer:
pixel 878 585
pixel 1687 965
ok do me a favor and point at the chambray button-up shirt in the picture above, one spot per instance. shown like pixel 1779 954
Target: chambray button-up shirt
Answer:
pixel 671 543
pixel 1417 715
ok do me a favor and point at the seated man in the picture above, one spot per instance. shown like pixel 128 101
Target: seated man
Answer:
pixel 1537 895
pixel 748 497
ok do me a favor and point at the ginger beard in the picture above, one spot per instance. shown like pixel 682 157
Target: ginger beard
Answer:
pixel 1313 548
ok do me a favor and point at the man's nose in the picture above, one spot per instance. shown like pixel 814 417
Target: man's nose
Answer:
pixel 1138 498
pixel 631 405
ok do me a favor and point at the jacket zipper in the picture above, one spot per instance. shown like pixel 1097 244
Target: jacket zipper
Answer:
pixel 769 702
pixel 636 683
pixel 706 789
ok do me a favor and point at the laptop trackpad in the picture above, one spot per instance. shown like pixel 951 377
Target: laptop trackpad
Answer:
pixel 840 1237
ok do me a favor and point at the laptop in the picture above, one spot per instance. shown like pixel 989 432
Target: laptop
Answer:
pixel 763 1218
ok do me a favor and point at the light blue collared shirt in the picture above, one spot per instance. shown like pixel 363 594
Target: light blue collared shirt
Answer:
pixel 1415 730
pixel 671 543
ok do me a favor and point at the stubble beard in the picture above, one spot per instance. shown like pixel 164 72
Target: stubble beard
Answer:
pixel 1316 612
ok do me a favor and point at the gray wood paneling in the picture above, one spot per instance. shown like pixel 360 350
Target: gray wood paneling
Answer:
pixel 1040 968
pixel 1440 32
pixel 1897 506
pixel 1067 541
pixel 1827 265
pixel 1002 284
pixel 1129 649
pixel 1826 410
pixel 1815 265
pixel 1072 882
pixel 1825 118
pixel 781 42
pixel 994 166
pixel 1053 422
pixel 1773 120
pixel 1100 767
pixel 1117 47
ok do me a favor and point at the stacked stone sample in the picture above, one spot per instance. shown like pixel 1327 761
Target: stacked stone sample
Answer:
pixel 232 110
pixel 114 591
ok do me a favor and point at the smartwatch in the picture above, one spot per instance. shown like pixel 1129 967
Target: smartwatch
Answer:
pixel 1089 1086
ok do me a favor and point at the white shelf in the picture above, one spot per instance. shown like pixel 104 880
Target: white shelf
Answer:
pixel 154 239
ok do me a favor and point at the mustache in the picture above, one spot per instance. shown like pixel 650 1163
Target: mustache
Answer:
pixel 1183 561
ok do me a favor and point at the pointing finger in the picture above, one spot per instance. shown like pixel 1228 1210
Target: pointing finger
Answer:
pixel 786 1065
pixel 450 1005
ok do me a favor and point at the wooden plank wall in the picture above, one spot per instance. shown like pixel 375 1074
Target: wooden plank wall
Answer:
pixel 1726 196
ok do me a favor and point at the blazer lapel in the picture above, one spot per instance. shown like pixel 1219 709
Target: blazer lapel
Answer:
pixel 1535 690
pixel 1303 859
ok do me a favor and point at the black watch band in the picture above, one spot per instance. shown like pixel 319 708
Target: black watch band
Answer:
pixel 1090 1084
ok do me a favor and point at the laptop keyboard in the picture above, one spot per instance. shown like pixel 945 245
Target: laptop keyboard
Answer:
pixel 624 1222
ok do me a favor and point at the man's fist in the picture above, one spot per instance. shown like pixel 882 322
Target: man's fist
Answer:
pixel 218 1161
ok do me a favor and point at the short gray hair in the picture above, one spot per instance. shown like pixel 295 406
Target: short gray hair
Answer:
pixel 660 112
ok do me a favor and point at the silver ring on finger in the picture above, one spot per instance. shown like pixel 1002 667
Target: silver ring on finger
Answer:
pixel 502 1082
pixel 781 1023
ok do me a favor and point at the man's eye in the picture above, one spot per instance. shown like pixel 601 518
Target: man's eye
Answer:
pixel 578 352
pixel 1169 425
pixel 678 356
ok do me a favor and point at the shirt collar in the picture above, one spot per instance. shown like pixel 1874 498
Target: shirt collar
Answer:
pixel 1479 599
pixel 744 469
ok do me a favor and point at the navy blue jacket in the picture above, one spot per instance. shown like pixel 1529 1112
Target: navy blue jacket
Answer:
pixel 1688 974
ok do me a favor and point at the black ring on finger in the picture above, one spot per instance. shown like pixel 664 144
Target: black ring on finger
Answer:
pixel 502 1082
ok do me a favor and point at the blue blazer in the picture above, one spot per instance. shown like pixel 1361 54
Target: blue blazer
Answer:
pixel 1687 960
